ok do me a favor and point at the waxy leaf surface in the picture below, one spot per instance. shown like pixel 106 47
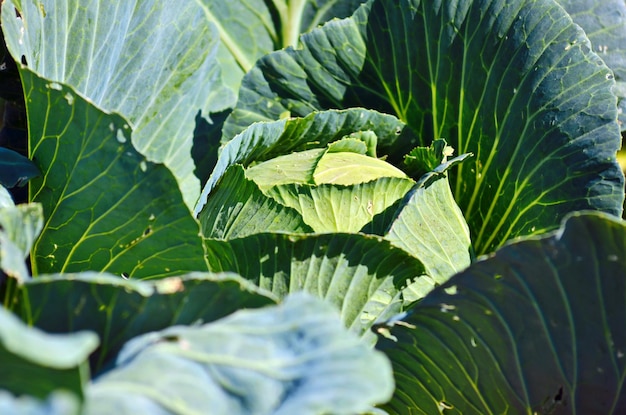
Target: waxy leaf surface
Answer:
pixel 536 327
pixel 513 82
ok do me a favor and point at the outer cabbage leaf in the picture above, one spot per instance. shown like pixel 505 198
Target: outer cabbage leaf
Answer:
pixel 151 61
pixel 249 29
pixel 5 198
pixel 22 225
pixel 30 359
pixel 361 275
pixel 106 207
pixel 19 227
pixel 430 226
pixel 514 82
pixel 118 310
pixel 605 25
pixel 295 358
pixel 537 327
pixel 57 403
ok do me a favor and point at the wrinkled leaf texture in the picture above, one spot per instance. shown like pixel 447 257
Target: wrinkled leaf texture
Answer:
pixel 118 310
pixel 150 61
pixel 605 25
pixel 106 207
pixel 514 82
pixel 537 327
pixel 292 358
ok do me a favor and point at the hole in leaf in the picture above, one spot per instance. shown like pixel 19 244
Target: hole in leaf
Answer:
pixel 559 395
pixel 552 402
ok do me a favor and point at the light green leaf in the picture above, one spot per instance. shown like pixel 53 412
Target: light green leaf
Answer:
pixel 339 208
pixel 30 358
pixel 347 168
pixel 288 359
pixel 537 327
pixel 5 198
pixel 246 32
pixel 106 207
pixel 605 25
pixel 430 226
pixel 19 227
pixel 57 403
pixel 22 225
pixel 361 275
pixel 150 61
pixel 513 82
pixel 295 167
pixel 356 145
pixel 11 260
pixel 119 309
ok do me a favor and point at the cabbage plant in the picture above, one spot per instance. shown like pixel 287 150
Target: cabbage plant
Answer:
pixel 278 207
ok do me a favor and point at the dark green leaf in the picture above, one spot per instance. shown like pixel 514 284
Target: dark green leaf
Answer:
pixel 15 169
pixel 439 171
pixel 361 275
pixel 316 12
pixel 36 363
pixel 421 160
pixel 538 326
pixel 106 207
pixel 605 24
pixel 119 309
pixel 513 82
pixel 295 358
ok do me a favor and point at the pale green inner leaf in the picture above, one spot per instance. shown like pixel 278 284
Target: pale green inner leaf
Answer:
pixel 349 168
